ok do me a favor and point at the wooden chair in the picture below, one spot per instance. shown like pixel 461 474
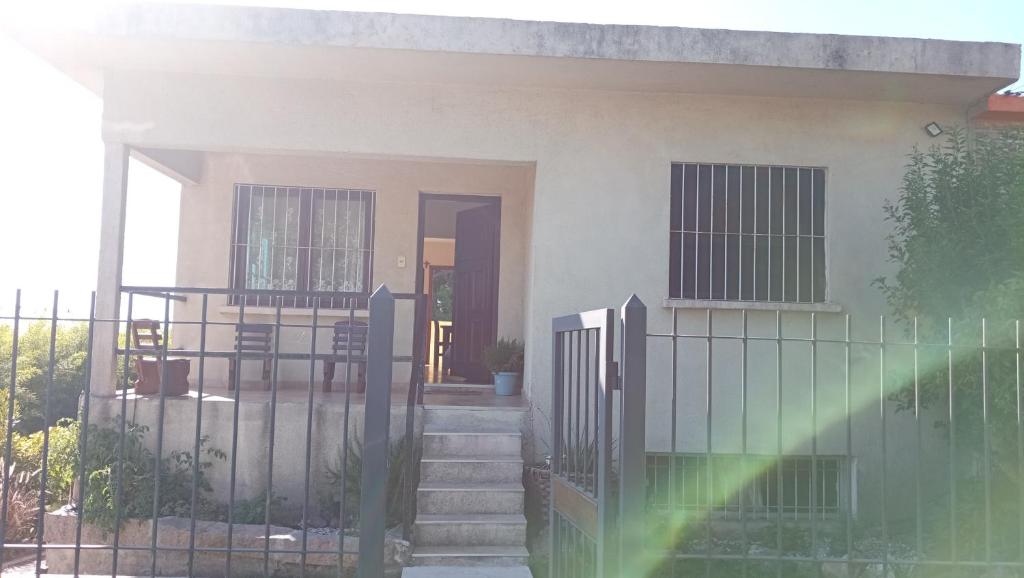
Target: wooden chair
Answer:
pixel 253 341
pixel 147 344
pixel 349 347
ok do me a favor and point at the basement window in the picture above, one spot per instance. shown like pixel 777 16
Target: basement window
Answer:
pixel 747 233
pixel 756 485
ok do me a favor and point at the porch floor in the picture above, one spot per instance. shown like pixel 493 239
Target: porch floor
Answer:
pixel 482 397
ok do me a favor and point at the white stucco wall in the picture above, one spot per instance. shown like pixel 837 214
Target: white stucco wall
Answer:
pixel 597 222
pixel 205 236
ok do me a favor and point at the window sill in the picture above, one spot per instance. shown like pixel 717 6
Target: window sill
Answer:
pixel 292 312
pixel 753 305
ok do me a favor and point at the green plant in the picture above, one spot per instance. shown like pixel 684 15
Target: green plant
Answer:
pixel 504 356
pixel 22 505
pixel 135 475
pixel 352 476
pixel 61 461
pixel 254 510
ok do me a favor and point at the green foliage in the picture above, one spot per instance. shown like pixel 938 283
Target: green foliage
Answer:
pixel 443 289
pixel 22 504
pixel 505 356
pixel 33 366
pixel 138 477
pixel 958 246
pixel 254 510
pixel 352 477
pixel 61 459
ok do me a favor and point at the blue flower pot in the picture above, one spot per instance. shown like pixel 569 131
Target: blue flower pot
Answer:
pixel 506 383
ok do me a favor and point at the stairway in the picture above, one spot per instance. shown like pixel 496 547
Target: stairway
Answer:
pixel 470 498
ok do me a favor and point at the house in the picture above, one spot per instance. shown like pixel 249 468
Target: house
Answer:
pixel 537 168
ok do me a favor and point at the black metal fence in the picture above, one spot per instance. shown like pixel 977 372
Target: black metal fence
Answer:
pixel 807 444
pixel 216 448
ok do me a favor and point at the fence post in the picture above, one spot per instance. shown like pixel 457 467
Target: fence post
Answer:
pixel 376 421
pixel 632 443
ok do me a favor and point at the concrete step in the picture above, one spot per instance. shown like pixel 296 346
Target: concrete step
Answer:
pixel 448 444
pixel 466 572
pixel 470 556
pixel 472 498
pixel 472 469
pixel 470 530
pixel 479 420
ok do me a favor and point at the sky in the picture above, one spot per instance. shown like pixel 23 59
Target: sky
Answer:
pixel 51 153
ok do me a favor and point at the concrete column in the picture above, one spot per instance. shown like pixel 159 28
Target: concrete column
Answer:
pixel 111 257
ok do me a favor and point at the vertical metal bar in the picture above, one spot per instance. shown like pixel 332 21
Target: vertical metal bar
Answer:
pixel 743 435
pixel 197 445
pixel 269 498
pixel 605 513
pixel 83 443
pixel 815 497
pixel 581 451
pixel 673 458
pixel 11 394
pixel 571 449
pixel 122 425
pixel 884 444
pixel 309 439
pixel 1020 440
pixel 373 495
pixel 850 472
pixel 233 476
pixel 986 441
pixel 344 437
pixel 708 475
pixel 554 570
pixel 154 526
pixel 632 442
pixel 954 555
pixel 415 379
pixel 778 441
pixel 918 510
pixel 47 414
pixel 587 461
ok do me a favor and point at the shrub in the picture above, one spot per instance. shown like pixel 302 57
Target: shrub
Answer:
pixel 23 505
pixel 352 476
pixel 61 461
pixel 137 480
pixel 254 510
pixel 505 356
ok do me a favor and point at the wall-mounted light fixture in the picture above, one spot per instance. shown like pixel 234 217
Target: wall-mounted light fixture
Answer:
pixel 933 129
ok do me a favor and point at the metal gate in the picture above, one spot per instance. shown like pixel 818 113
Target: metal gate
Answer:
pixel 597 468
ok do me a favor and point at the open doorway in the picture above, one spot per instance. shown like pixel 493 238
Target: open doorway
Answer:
pixel 458 257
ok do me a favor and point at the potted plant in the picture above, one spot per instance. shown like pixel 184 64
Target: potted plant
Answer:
pixel 505 361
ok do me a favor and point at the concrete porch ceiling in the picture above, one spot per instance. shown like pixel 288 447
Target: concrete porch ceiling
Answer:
pixel 376 47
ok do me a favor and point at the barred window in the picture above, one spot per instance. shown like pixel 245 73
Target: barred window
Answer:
pixel 302 239
pixel 747 233
pixel 760 485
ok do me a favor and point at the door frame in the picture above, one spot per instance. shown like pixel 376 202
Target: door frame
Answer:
pixel 495 200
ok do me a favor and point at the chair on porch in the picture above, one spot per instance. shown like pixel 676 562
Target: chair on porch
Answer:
pixel 252 342
pixel 348 346
pixel 147 344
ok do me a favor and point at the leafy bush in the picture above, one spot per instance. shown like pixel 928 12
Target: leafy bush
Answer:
pixel 62 457
pixel 33 371
pixel 505 356
pixel 23 504
pixel 352 475
pixel 138 477
pixel 254 510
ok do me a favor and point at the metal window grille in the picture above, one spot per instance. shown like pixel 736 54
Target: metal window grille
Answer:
pixel 747 233
pixel 302 239
pixel 752 488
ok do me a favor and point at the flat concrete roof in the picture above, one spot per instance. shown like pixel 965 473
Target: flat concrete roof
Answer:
pixel 315 43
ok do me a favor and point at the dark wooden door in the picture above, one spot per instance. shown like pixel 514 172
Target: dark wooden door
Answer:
pixel 475 303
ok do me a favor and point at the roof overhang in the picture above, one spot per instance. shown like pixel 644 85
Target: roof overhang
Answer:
pixel 376 47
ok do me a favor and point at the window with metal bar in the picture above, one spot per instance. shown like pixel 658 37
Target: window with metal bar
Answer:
pixel 756 485
pixel 747 233
pixel 302 239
